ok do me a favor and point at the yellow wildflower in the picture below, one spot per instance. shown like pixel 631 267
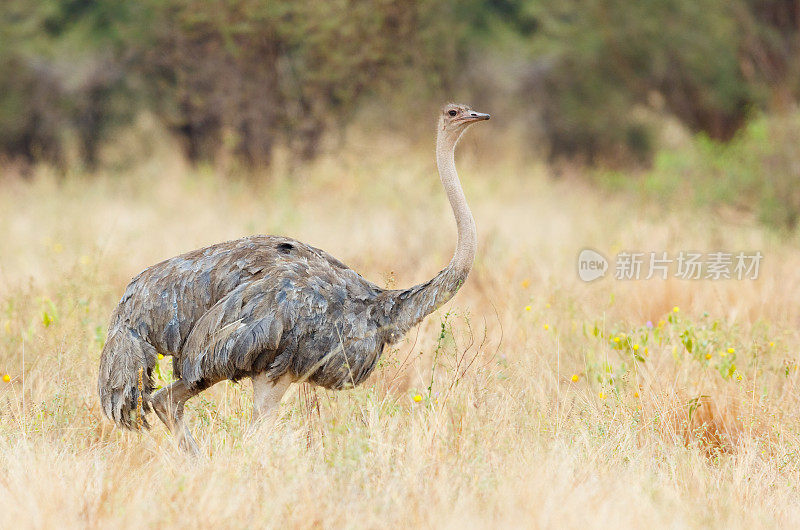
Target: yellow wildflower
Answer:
pixel 635 347
pixel 526 283
pixel 616 339
pixel 6 378
pixel 636 394
pixel 771 344
pixel 676 309
pixel 601 395
pixel 708 356
pixel 160 356
pixel 546 327
pixel 417 398
pixel 575 378
pixel 731 350
pixel 547 305
pixel 527 308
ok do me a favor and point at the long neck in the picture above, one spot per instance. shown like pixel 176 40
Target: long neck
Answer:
pixel 414 304
pixel 467 235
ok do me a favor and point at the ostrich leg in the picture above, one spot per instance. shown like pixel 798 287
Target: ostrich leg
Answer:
pixel 168 404
pixel 267 396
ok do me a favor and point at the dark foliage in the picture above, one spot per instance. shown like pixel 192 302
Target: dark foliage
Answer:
pixel 238 77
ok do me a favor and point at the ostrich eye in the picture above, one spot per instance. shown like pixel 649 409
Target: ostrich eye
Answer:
pixel 452 113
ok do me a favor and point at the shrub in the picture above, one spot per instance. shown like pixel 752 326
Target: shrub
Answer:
pixel 244 75
pixel 709 63
pixel 757 171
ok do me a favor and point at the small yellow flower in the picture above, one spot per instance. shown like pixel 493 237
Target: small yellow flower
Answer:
pixel 546 327
pixel 575 378
pixel 160 356
pixel 646 352
pixel 526 283
pixel 6 378
pixel 731 350
pixel 601 395
pixel 676 309
pixel 635 347
pixel 547 305
pixel 661 323
pixel 738 377
pixel 708 356
pixel 616 339
pixel 417 398
pixel 527 308
pixel 636 394
pixel 771 344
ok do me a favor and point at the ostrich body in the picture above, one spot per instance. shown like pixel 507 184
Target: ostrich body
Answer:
pixel 269 308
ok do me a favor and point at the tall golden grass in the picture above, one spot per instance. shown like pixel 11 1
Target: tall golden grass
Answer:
pixel 529 414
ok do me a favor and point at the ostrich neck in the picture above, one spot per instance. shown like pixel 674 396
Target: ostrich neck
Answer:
pixel 414 304
pixel 465 224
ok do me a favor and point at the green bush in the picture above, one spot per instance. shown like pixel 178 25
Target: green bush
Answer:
pixel 244 75
pixel 225 75
pixel 601 73
pixel 757 171
pixel 60 72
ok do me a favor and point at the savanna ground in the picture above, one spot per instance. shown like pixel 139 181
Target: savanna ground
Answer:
pixel 531 399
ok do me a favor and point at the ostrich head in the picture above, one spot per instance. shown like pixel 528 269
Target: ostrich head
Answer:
pixel 454 120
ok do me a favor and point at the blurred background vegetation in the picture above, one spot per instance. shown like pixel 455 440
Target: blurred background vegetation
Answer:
pixel 673 98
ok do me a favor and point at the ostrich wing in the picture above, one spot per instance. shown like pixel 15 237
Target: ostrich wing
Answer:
pixel 308 303
pixel 239 335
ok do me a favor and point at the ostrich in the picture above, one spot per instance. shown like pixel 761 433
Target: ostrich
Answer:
pixel 269 308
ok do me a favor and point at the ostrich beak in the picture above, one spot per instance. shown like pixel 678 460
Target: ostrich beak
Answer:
pixel 473 116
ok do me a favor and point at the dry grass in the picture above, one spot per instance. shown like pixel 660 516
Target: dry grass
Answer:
pixel 505 437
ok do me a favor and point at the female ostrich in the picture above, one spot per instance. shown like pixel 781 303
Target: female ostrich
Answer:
pixel 269 308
